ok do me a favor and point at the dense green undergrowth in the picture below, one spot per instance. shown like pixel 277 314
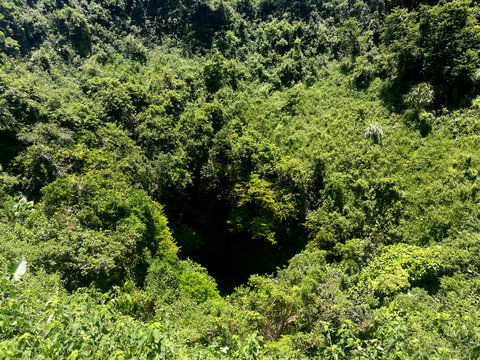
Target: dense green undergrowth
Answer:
pixel 239 179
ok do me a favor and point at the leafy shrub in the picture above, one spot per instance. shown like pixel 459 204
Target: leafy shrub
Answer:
pixel 73 25
pixel 83 326
pixel 198 285
pixel 420 97
pixel 260 207
pixel 170 279
pixel 375 133
pixel 400 266
pixel 18 206
pixel 106 230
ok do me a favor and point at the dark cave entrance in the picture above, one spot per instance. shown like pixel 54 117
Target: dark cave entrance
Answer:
pixel 231 257
pixel 232 260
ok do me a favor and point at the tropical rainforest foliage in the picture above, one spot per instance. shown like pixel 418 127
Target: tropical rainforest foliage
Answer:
pixel 243 179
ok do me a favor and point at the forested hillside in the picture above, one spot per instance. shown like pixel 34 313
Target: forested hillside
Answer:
pixel 239 179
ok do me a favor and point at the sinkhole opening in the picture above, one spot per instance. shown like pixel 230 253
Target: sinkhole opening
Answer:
pixel 232 260
pixel 205 225
pixel 232 257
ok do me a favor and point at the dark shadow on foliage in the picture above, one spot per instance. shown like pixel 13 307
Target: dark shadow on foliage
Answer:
pixel 10 147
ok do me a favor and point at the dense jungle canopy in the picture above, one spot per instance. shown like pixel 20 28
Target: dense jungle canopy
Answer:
pixel 239 179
